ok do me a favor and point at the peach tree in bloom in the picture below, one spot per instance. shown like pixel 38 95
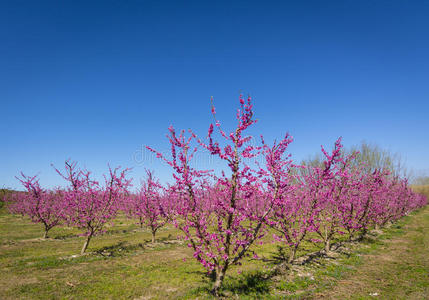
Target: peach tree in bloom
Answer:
pixel 330 185
pixel 222 216
pixel 149 205
pixel 88 204
pixel 41 205
pixel 307 203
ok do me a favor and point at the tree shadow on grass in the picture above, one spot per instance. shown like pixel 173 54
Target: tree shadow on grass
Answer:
pixel 166 240
pixel 105 233
pixel 253 283
pixel 118 249
pixel 277 257
pixel 66 236
pixel 250 283
pixel 122 248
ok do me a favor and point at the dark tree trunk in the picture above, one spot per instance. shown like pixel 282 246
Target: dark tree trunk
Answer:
pixel 45 235
pixel 220 275
pixel 85 245
pixel 292 254
pixel 327 246
pixel 153 235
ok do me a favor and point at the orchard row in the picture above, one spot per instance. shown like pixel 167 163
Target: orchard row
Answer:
pixel 222 215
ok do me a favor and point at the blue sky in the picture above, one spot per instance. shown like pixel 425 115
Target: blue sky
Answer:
pixel 97 80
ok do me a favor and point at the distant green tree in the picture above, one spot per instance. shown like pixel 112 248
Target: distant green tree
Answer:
pixel 376 158
pixel 372 156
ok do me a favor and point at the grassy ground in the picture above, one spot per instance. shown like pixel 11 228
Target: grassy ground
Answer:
pixel 123 264
pixel 396 266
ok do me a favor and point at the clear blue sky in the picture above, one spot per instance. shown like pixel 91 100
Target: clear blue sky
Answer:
pixel 97 80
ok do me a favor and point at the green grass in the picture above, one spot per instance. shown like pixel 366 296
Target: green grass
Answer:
pixel 393 266
pixel 123 264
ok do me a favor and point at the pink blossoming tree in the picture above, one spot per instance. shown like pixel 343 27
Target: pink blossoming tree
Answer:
pixel 222 216
pixel 149 205
pixel 42 206
pixel 90 205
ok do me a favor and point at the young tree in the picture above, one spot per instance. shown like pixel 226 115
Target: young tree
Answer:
pixel 90 205
pixel 149 205
pixel 291 217
pixel 223 216
pixel 334 180
pixel 42 206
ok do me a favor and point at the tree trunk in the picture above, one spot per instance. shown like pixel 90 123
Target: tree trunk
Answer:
pixel 153 235
pixel 327 246
pixel 363 233
pixel 86 244
pixel 45 235
pixel 220 275
pixel 292 254
pixel 350 238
